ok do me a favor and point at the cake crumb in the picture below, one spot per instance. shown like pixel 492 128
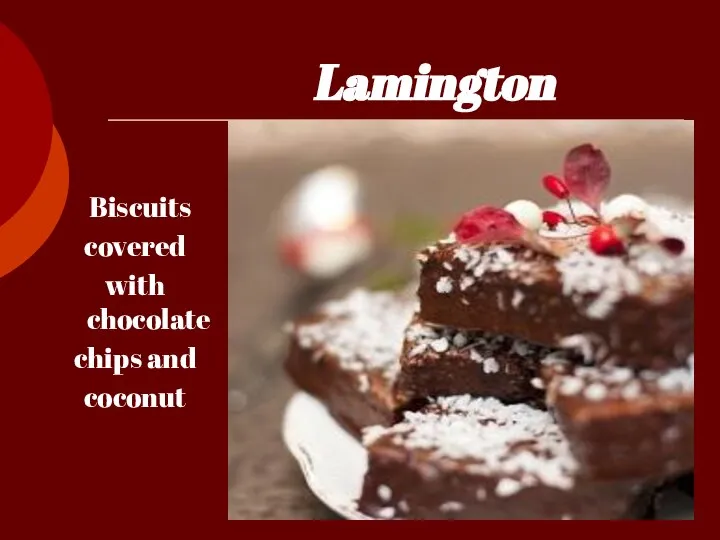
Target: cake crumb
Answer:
pixel 571 386
pixel 490 365
pixel 595 392
pixel 386 513
pixel 440 345
pixel 444 285
pixel 507 487
pixel 384 493
pixel 452 506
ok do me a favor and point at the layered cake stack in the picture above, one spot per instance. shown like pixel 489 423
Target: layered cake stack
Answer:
pixel 543 370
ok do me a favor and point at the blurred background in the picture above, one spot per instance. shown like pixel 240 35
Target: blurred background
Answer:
pixel 415 178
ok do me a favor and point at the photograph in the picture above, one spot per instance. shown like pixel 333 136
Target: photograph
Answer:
pixel 461 319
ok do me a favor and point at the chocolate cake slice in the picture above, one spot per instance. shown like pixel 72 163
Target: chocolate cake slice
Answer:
pixel 465 458
pixel 625 424
pixel 347 355
pixel 635 309
pixel 442 361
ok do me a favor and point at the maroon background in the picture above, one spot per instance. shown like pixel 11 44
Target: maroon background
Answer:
pixel 164 468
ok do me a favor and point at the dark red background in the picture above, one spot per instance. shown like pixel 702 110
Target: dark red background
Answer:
pixel 164 469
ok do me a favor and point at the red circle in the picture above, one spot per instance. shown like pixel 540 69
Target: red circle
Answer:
pixel 25 124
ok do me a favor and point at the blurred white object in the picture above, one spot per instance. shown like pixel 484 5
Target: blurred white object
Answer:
pixel 322 230
pixel 527 213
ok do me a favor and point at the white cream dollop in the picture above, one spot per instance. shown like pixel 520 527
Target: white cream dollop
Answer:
pixel 528 214
pixel 625 205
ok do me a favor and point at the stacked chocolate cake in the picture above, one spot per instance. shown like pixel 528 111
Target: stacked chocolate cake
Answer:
pixel 543 370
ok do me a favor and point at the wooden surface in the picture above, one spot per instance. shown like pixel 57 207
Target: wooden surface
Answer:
pixel 440 181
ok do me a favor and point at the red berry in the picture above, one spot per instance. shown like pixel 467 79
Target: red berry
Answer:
pixel 556 186
pixel 605 241
pixel 553 219
pixel 488 224
pixel 674 246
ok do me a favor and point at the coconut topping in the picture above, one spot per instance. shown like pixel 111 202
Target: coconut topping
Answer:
pixel 600 383
pixel 430 341
pixel 364 331
pixel 595 282
pixel 520 445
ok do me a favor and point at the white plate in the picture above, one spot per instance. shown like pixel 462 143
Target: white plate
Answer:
pixel 334 463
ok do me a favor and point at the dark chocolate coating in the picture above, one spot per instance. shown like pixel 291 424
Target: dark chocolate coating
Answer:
pixel 339 390
pixel 455 372
pixel 638 332
pixel 650 436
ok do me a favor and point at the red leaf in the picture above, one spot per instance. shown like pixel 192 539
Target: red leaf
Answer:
pixel 587 174
pixel 487 224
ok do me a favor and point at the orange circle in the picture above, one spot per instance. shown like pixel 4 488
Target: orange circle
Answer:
pixel 23 234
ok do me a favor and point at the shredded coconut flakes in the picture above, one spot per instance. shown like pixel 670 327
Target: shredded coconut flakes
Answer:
pixel 364 331
pixel 515 443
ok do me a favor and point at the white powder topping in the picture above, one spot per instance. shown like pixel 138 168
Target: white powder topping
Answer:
pixel 595 392
pixel 517 299
pixel 586 273
pixel 503 441
pixel 364 331
pixel 459 340
pixel 478 262
pixel 609 382
pixel 507 487
pixel 384 493
pixel 475 356
pixel 452 506
pixel 571 386
pixel 584 344
pixel 466 282
pixel 631 390
pixel 363 382
pixel 673 224
pixel 421 257
pixel 447 266
pixel 444 285
pixel 611 278
pixel 440 345
pixel 418 349
pixel 537 382
pixel 480 347
pixel 386 513
pixel 490 365
pixel 403 506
